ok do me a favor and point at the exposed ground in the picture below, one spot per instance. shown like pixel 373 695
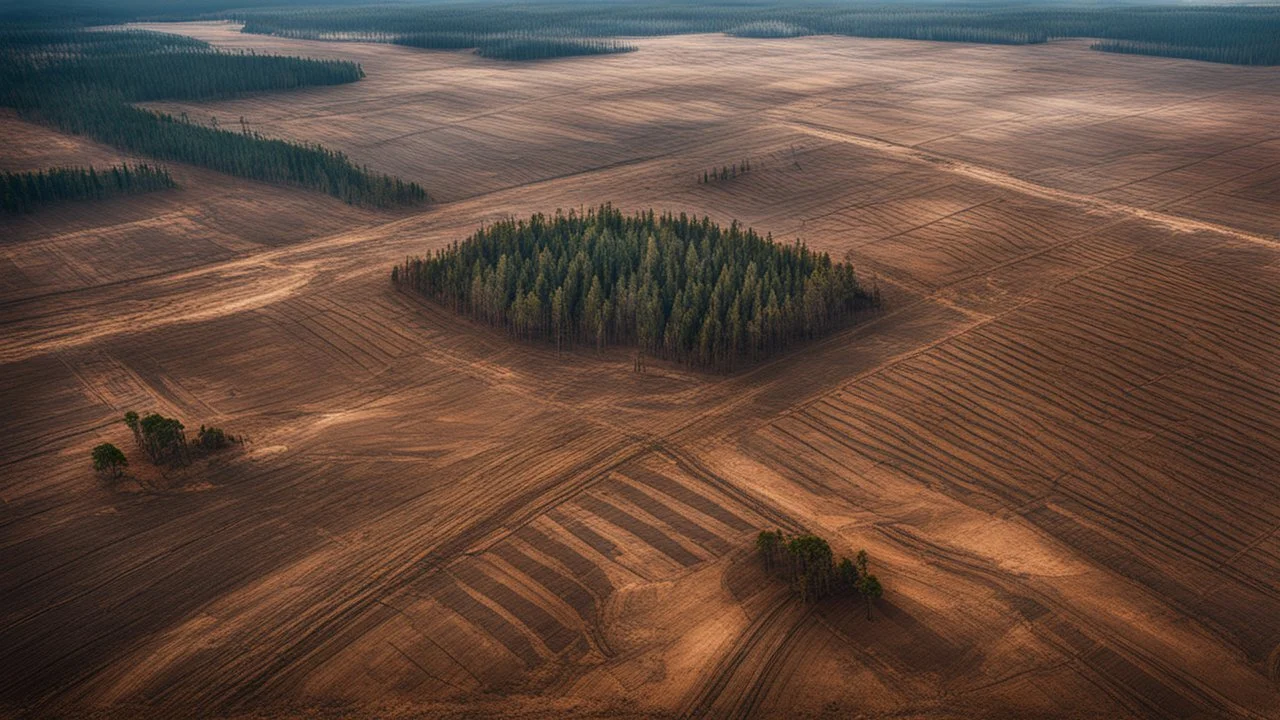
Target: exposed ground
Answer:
pixel 1059 443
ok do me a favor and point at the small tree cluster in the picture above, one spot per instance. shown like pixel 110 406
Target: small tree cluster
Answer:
pixel 164 439
pixel 212 438
pixel 809 565
pixel 726 172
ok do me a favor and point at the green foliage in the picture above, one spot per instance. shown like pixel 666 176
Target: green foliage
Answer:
pixel 772 548
pixel 726 172
pixel 847 578
pixel 513 46
pixel 21 192
pixel 544 48
pixel 109 461
pixel 84 82
pixel 768 29
pixel 1235 34
pixel 212 438
pixel 674 286
pixel 812 566
pixel 1259 53
pixel 164 439
pixel 871 591
pixel 809 565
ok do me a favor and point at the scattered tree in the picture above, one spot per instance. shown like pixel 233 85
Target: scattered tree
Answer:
pixel 212 438
pixel 871 591
pixel 108 461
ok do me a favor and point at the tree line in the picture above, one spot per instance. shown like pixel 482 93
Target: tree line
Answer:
pixel 809 565
pixel 1264 53
pixel 513 46
pixel 164 439
pixel 725 172
pixel 677 287
pixel 45 75
pixel 23 191
pixel 1235 34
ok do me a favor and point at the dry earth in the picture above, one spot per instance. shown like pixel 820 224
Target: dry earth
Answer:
pixel 1059 443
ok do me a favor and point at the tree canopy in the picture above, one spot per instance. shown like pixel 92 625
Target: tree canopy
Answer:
pixel 23 191
pixel 675 286
pixel 808 563
pixel 109 461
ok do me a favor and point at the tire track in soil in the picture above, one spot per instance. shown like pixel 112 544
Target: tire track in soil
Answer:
pixel 1026 187
pixel 743 648
pixel 1173 680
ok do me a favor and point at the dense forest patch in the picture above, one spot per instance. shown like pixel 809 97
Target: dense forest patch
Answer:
pixel 23 191
pixel 85 82
pixel 677 287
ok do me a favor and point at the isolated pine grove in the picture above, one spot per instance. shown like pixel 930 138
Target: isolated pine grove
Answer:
pixel 810 567
pixel 22 191
pixel 677 287
pixel 84 82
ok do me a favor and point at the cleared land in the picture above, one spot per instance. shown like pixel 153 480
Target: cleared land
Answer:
pixel 1059 443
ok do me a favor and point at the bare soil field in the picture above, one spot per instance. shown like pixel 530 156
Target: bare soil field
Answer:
pixel 1059 441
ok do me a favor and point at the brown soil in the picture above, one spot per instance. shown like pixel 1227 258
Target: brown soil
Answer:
pixel 1059 442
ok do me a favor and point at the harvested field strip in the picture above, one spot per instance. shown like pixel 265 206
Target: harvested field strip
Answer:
pixel 553 634
pixel 587 535
pixel 452 596
pixel 564 587
pixel 690 529
pixel 580 568
pixel 650 534
pixel 684 494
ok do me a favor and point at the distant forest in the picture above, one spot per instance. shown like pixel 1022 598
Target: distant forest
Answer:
pixel 85 82
pixel 1239 34
pixel 672 286
pixel 1231 34
pixel 514 46
pixel 23 191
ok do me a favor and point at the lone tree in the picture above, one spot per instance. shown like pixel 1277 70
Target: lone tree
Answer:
pixel 212 438
pixel 771 545
pixel 871 590
pixel 131 419
pixel 847 576
pixel 108 461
